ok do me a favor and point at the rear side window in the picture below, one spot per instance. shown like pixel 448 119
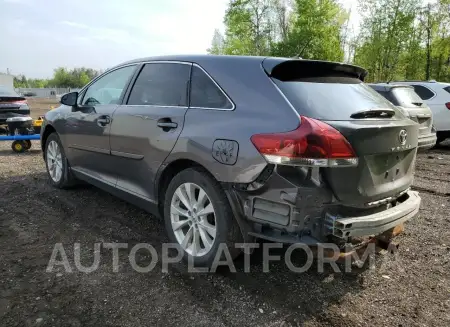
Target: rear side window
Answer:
pixel 205 93
pixel 407 97
pixel 423 92
pixel 332 98
pixel 161 84
pixel 447 89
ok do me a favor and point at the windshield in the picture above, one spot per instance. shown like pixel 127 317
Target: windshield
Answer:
pixel 333 98
pixel 407 97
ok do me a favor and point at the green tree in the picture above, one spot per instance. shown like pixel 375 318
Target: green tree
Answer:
pixel 248 27
pixel 314 31
pixel 217 44
pixel 306 28
pixel 386 28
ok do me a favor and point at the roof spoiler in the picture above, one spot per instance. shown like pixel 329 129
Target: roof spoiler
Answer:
pixel 289 69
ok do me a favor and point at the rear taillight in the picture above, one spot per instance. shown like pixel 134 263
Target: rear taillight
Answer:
pixel 313 143
pixel 19 102
pixel 448 105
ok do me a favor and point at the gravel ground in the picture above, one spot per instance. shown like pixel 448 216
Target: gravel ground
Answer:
pixel 410 289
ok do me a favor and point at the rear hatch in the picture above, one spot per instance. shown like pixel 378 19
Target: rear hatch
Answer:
pixel 11 103
pixel 384 140
pixel 407 98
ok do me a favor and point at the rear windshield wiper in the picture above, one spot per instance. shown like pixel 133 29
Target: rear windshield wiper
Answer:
pixel 374 113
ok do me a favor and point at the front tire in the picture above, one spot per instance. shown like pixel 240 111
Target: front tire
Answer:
pixel 198 216
pixel 58 168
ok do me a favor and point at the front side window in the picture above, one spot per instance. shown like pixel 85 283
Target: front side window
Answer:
pixel 423 92
pixel 108 88
pixel 205 93
pixel 161 84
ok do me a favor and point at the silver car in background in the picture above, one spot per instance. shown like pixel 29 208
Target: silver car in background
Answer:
pixel 437 96
pixel 413 106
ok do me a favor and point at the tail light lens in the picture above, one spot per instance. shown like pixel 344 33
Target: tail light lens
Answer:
pixel 313 143
pixel 20 102
pixel 448 105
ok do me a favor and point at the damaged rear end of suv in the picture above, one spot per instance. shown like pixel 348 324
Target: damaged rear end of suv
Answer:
pixel 344 174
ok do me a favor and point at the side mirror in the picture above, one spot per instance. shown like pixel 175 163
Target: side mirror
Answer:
pixel 69 99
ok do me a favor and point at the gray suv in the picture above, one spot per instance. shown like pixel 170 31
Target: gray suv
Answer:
pixel 227 149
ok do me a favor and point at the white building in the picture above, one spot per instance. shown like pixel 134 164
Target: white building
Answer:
pixel 7 80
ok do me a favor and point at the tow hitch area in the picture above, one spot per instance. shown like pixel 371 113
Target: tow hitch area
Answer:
pixel 383 244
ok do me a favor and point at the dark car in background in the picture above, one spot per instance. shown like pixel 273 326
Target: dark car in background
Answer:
pixel 227 149
pixel 414 107
pixel 11 104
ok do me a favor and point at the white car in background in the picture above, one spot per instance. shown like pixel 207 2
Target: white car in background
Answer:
pixel 437 96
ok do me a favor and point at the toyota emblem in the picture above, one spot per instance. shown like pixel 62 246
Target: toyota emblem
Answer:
pixel 402 136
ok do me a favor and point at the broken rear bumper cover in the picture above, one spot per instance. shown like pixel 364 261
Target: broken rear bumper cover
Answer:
pixel 305 212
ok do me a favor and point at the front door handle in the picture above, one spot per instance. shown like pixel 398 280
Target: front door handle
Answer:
pixel 166 124
pixel 103 121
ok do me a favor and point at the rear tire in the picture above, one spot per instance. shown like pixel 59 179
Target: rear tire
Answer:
pixel 185 222
pixel 58 168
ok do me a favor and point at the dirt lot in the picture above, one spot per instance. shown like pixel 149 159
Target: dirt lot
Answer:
pixel 39 106
pixel 413 290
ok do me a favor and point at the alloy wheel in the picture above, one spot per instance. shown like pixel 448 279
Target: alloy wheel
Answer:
pixel 54 161
pixel 193 219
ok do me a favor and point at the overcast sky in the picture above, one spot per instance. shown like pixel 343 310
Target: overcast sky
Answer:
pixel 37 36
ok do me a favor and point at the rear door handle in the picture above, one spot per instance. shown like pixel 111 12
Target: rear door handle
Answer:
pixel 166 124
pixel 103 121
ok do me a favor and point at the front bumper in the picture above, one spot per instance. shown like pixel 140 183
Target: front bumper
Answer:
pixel 427 141
pixel 374 224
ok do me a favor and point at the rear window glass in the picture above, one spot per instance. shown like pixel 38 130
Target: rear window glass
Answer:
pixel 332 98
pixel 406 97
pixel 389 96
pixel 7 91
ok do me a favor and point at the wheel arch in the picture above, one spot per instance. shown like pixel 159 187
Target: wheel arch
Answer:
pixel 49 129
pixel 168 172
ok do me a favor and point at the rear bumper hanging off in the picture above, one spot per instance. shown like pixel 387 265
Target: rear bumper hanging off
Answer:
pixel 374 224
